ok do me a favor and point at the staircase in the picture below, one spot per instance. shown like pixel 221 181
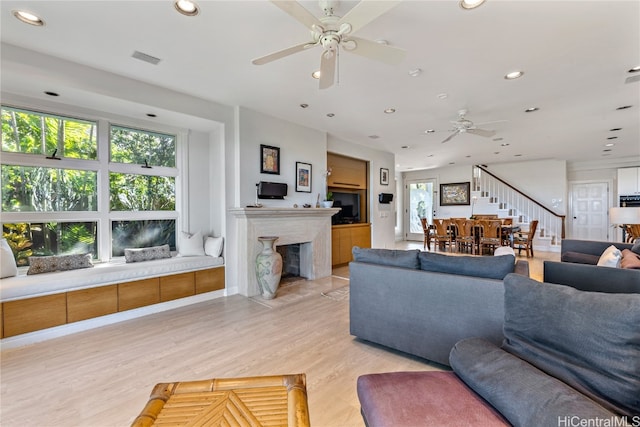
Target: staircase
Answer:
pixel 495 196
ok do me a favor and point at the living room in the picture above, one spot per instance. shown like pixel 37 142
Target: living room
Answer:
pixel 220 165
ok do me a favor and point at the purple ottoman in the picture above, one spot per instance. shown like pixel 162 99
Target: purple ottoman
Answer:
pixel 416 399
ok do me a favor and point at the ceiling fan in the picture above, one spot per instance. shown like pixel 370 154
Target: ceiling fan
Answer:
pixel 464 125
pixel 333 32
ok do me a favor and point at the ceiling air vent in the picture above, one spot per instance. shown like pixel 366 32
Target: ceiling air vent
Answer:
pixel 633 79
pixel 146 58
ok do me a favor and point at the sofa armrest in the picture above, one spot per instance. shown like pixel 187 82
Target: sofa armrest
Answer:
pixel 591 247
pixel 522 268
pixel 592 278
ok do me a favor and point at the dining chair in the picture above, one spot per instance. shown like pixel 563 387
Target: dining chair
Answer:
pixel 524 239
pixel 633 232
pixel 465 238
pixel 491 235
pixel 428 233
pixel 443 235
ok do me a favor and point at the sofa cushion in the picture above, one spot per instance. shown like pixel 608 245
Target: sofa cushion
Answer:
pixel 589 340
pixel 147 254
pixel 47 264
pixel 579 258
pixel 390 257
pixel 636 247
pixel 495 267
pixel 611 257
pixel 424 398
pixel 523 394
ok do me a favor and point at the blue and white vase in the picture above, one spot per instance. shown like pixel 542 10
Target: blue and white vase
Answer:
pixel 268 267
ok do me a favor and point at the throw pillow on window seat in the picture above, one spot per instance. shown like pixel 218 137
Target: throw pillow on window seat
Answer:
pixel 8 267
pixel 147 254
pixel 47 264
pixel 213 246
pixel 191 244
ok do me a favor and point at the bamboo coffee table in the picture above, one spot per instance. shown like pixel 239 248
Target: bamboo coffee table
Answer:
pixel 279 400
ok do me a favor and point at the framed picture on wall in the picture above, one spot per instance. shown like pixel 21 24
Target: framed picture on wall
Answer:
pixel 269 159
pixel 303 177
pixel 455 194
pixel 384 176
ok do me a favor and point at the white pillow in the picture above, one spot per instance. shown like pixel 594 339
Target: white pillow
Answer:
pixel 8 267
pixel 504 250
pixel 192 245
pixel 611 257
pixel 213 246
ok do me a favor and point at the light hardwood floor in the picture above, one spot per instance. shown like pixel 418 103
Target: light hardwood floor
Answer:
pixel 103 377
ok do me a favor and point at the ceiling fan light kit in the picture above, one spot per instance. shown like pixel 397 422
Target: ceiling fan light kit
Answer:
pixel 333 32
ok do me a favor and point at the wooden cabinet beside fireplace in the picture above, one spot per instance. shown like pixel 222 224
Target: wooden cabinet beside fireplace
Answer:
pixel 345 237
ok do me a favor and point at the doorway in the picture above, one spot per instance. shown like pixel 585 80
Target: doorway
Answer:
pixel 589 206
pixel 418 204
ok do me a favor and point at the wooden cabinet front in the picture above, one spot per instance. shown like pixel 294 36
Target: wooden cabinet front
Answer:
pixel 138 294
pixel 209 280
pixel 346 172
pixel 345 237
pixel 177 286
pixel 94 302
pixel 33 314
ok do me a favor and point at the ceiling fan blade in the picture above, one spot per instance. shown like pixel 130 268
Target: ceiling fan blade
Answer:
pixel 373 50
pixel 327 70
pixel 282 53
pixel 297 11
pixel 450 137
pixel 482 132
pixel 365 12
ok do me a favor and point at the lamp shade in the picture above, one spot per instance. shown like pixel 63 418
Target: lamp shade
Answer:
pixel 624 216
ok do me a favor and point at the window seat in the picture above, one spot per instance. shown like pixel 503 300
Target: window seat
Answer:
pixel 23 286
pixel 33 307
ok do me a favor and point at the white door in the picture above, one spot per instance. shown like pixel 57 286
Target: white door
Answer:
pixel 418 203
pixel 589 208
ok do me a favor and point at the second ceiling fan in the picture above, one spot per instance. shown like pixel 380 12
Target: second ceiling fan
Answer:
pixel 464 125
pixel 333 32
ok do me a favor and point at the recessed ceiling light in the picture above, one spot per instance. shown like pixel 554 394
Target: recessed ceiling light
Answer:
pixel 304 105
pixel 151 115
pixel 514 75
pixel 517 155
pixel 430 131
pixel 51 93
pixel 316 74
pixel 609 144
pixel 374 136
pixel 442 96
pixel 28 18
pixel 606 150
pixel 612 137
pixel 383 42
pixel 614 129
pixel 405 146
pixel 504 144
pixel 430 155
pixel 390 110
pixel 330 115
pixel 467 156
pixel 531 109
pixel 634 69
pixel 452 163
pixel 186 7
pixel 498 139
pixel 624 107
pixel 470 4
pixel 415 72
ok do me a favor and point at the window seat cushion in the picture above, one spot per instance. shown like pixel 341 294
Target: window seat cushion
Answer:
pixel 108 273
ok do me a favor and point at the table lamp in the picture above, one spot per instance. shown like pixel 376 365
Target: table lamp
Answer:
pixel 624 216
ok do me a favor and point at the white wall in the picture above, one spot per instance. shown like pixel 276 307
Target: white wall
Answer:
pixel 381 216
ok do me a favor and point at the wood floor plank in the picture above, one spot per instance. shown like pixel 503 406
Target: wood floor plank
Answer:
pixel 103 377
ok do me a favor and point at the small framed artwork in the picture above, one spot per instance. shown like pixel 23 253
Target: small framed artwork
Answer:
pixel 384 176
pixel 269 159
pixel 303 177
pixel 455 194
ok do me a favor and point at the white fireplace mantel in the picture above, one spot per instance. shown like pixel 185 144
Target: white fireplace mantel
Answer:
pixel 311 227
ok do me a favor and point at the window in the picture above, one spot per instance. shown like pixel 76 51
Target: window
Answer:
pixel 54 170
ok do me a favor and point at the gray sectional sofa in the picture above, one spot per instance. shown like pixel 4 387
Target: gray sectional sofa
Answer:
pixel 423 303
pixel 578 268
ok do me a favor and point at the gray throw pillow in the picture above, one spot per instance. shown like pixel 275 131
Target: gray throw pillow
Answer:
pixel 636 247
pixel 580 258
pixel 589 340
pixel 390 257
pixel 47 264
pixel 494 267
pixel 147 254
pixel 522 393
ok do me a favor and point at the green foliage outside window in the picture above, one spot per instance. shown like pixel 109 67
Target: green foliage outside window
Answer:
pixel 131 192
pixel 37 133
pixel 142 147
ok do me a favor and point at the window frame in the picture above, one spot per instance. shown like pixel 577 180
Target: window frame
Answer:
pixel 103 166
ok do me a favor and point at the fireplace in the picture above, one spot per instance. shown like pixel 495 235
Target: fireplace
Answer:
pixel 290 261
pixel 309 228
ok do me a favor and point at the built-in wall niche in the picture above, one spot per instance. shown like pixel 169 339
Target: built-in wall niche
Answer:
pixel 348 183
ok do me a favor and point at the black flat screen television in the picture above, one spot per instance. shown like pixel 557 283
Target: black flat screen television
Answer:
pixel 349 204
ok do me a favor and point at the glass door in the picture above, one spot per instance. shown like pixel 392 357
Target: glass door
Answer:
pixel 418 204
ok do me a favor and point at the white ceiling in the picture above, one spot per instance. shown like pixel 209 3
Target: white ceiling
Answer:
pixel 575 55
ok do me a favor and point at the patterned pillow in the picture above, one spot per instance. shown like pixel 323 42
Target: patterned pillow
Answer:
pixel 46 264
pixel 147 254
